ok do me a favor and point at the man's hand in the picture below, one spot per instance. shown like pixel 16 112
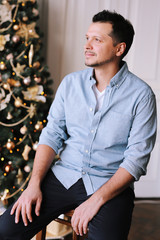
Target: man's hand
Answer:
pixel 32 195
pixel 83 214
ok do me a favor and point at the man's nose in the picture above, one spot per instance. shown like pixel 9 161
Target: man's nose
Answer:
pixel 88 45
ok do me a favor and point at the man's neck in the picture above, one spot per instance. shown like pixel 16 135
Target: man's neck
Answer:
pixel 103 75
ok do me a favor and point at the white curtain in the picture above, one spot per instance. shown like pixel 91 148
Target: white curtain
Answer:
pixel 67 22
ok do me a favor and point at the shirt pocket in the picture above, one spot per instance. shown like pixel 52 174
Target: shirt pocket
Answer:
pixel 114 129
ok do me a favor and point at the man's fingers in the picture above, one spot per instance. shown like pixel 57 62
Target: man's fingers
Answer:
pixel 38 206
pixel 24 215
pixel 18 211
pixel 29 212
pixel 85 227
pixel 14 208
pixel 75 223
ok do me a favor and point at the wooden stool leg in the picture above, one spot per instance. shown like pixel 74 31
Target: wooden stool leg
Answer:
pixel 74 236
pixel 41 235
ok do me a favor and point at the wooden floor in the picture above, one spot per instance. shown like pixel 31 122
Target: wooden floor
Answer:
pixel 146 221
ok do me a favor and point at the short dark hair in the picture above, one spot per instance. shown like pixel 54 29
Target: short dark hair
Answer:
pixel 123 30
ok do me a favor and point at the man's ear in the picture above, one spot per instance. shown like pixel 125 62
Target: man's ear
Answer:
pixel 120 49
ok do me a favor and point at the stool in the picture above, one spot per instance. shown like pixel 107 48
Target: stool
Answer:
pixel 42 234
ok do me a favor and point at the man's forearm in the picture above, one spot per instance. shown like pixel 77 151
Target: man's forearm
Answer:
pixel 42 162
pixel 119 182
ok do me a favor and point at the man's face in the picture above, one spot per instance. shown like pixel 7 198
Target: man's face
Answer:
pixel 99 49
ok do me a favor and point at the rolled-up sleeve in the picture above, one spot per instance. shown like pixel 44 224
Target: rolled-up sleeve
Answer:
pixel 142 138
pixel 55 133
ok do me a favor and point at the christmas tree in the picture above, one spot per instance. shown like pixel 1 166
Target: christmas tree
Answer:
pixel 25 94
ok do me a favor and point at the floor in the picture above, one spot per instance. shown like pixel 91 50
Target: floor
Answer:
pixel 146 221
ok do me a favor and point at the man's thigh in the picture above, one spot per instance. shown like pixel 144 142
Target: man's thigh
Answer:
pixel 56 200
pixel 114 218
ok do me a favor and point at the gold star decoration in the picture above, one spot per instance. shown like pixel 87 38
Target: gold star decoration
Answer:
pixel 27 31
pixel 19 68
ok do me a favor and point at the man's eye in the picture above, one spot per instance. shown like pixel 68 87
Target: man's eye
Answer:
pixel 97 40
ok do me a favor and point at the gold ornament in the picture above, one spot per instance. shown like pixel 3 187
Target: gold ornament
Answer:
pixel 6 86
pixel 13 82
pixel 18 102
pixel 23 130
pixel 37 79
pixel 24 18
pixel 36 64
pixel 19 176
pixel 26 151
pixel 16 27
pixel 27 31
pixel 2 66
pixel 9 116
pixel 4 2
pixel 38 126
pixel 30 54
pixel 7 168
pixel 10 145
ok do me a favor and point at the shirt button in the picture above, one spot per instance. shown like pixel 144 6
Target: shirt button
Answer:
pixel 86 151
pixel 91 109
pixel 83 173
pixel 92 131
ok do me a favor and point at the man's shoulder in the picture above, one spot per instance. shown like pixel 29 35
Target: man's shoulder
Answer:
pixel 139 84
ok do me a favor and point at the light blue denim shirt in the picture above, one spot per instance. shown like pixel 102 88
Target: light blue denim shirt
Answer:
pixel 93 145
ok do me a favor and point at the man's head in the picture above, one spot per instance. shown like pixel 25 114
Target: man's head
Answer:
pixel 122 29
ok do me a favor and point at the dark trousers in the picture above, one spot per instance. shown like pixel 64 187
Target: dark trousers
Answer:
pixel 112 222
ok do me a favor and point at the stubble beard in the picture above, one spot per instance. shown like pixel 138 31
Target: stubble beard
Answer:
pixel 98 64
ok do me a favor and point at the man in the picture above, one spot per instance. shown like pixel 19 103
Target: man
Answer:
pixel 103 125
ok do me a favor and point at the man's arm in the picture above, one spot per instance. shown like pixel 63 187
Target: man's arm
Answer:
pixel 87 210
pixel 32 195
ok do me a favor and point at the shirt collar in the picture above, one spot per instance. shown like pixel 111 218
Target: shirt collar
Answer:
pixel 118 79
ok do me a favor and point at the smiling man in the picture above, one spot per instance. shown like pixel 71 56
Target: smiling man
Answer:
pixel 102 123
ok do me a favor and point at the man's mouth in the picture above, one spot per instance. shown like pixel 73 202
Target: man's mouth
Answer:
pixel 89 54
